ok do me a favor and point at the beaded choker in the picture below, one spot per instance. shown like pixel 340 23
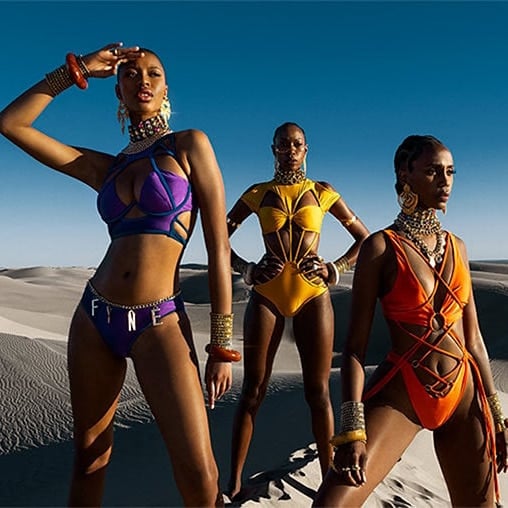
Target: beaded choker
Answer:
pixel 423 223
pixel 290 177
pixel 147 128
pixel 145 133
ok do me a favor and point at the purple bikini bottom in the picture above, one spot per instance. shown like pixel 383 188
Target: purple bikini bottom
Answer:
pixel 120 325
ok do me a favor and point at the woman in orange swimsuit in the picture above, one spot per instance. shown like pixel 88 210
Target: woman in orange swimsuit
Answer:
pixel 291 280
pixel 437 375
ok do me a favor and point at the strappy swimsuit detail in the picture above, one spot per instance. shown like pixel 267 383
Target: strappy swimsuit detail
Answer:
pixel 407 302
pixel 164 196
pixel 290 289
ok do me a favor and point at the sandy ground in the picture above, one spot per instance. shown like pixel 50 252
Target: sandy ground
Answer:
pixel 282 469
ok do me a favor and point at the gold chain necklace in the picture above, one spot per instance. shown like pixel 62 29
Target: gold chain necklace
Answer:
pixel 423 223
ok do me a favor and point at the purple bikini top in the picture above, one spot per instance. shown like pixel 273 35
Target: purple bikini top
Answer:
pixel 163 197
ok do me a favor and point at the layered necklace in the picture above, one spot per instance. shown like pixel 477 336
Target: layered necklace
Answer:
pixel 288 176
pixel 146 133
pixel 423 223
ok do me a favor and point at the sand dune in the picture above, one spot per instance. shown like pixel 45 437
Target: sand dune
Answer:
pixel 35 423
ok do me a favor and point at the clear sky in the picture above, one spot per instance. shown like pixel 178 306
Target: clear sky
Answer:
pixel 357 76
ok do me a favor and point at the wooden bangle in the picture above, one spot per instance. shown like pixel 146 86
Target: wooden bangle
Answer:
pixel 223 354
pixel 75 72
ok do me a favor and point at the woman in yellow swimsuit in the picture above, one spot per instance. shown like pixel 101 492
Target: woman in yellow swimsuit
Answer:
pixel 437 375
pixel 291 280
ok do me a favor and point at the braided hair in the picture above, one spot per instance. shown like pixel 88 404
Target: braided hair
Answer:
pixel 409 150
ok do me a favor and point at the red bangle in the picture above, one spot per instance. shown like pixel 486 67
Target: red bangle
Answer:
pixel 75 72
pixel 223 354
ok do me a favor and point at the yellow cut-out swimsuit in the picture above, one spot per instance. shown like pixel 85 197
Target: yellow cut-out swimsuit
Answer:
pixel 290 289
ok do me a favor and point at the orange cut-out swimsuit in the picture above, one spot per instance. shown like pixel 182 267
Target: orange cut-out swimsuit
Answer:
pixel 407 302
pixel 290 290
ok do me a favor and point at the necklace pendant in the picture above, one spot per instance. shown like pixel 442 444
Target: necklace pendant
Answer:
pixel 432 261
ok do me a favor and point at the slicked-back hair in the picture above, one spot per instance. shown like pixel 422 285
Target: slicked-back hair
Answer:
pixel 144 50
pixel 283 127
pixel 409 150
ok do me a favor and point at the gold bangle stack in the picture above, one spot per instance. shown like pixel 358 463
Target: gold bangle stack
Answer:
pixel 349 437
pixel 497 412
pixel 333 274
pixel 352 424
pixel 221 329
pixel 221 339
pixel 59 80
pixel 83 68
pixel 342 264
pixel 351 416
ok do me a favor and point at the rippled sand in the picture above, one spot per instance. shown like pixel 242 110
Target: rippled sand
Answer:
pixel 35 423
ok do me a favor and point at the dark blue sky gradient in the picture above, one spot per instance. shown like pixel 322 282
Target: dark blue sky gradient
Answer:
pixel 358 76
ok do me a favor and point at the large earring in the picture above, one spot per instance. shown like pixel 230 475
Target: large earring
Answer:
pixel 122 114
pixel 407 200
pixel 304 165
pixel 165 109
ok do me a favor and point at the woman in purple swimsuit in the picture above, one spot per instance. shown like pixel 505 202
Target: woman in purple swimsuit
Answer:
pixel 148 196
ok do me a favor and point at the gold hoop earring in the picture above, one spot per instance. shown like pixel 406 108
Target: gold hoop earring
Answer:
pixel 407 200
pixel 122 114
pixel 165 109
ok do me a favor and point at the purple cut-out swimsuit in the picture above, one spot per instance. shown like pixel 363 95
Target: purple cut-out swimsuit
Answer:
pixel 120 325
pixel 163 198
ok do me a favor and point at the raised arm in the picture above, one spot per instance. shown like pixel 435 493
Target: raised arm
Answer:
pixel 16 120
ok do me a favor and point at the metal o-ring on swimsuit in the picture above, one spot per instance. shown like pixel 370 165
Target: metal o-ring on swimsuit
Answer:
pixel 164 196
pixel 290 289
pixel 407 302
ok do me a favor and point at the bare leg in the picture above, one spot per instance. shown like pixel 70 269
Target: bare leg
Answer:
pixel 313 330
pixel 96 377
pixel 461 449
pixel 263 328
pixel 389 434
pixel 167 370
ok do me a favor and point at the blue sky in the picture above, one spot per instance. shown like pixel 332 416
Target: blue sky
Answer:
pixel 358 76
